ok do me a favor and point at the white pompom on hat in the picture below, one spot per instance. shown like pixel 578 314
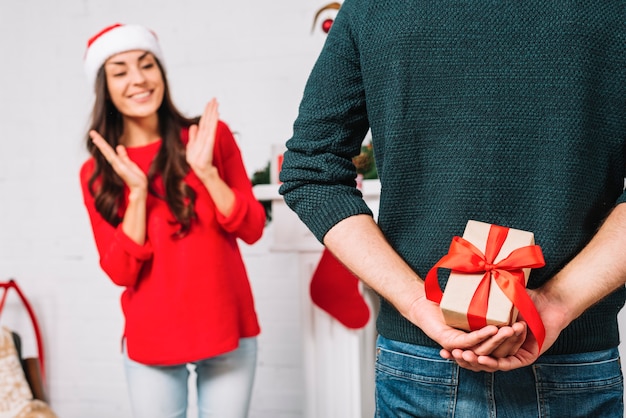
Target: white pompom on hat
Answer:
pixel 118 38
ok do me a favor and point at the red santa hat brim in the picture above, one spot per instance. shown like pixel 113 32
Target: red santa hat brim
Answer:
pixel 115 39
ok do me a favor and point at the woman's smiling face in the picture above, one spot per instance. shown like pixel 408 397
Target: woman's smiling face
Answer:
pixel 135 83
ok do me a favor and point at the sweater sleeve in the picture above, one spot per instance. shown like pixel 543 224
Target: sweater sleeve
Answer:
pixel 317 174
pixel 622 198
pixel 247 219
pixel 121 258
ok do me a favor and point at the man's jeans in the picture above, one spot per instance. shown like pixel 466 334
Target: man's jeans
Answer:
pixel 414 381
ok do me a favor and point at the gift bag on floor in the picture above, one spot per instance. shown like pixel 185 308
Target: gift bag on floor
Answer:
pixel 22 381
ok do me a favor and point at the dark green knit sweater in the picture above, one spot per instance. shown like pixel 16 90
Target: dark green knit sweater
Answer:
pixel 503 111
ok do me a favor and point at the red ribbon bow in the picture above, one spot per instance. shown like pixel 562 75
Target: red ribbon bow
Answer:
pixel 463 257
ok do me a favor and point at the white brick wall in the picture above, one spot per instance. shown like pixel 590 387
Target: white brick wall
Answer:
pixel 254 57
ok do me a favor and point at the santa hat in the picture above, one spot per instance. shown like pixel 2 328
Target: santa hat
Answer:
pixel 115 39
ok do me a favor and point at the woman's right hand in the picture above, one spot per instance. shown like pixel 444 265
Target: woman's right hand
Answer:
pixel 131 174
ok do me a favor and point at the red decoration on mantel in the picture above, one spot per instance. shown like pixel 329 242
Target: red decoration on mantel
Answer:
pixel 335 289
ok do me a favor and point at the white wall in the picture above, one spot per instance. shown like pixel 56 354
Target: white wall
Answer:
pixel 254 56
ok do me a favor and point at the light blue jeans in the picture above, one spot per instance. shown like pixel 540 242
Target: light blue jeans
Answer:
pixel 414 381
pixel 224 385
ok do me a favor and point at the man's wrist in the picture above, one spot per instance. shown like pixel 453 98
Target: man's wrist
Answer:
pixel 550 298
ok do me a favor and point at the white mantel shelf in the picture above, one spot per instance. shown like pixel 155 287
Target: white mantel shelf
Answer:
pixel 370 189
pixel 290 234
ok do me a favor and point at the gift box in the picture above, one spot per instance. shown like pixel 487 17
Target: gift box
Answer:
pixel 489 267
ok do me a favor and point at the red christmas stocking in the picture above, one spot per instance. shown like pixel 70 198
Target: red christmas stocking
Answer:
pixel 336 290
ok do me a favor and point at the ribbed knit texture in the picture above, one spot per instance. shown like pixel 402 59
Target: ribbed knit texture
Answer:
pixel 503 111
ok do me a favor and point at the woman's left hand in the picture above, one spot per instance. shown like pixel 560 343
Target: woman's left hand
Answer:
pixel 199 151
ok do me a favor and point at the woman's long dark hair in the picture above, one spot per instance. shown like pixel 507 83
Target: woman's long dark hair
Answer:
pixel 108 188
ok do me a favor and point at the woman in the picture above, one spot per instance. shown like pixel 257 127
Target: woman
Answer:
pixel 168 197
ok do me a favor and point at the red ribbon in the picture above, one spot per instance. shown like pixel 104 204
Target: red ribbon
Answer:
pixel 463 257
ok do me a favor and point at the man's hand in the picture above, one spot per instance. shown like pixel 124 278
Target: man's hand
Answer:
pixel 491 342
pixel 507 356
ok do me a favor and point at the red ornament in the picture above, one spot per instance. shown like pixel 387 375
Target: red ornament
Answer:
pixel 326 24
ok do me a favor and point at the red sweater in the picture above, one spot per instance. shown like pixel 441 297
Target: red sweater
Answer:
pixel 185 299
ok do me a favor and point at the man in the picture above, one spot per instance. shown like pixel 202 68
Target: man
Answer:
pixel 508 112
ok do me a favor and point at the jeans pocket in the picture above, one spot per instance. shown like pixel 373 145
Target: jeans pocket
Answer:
pixel 413 382
pixel 580 385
